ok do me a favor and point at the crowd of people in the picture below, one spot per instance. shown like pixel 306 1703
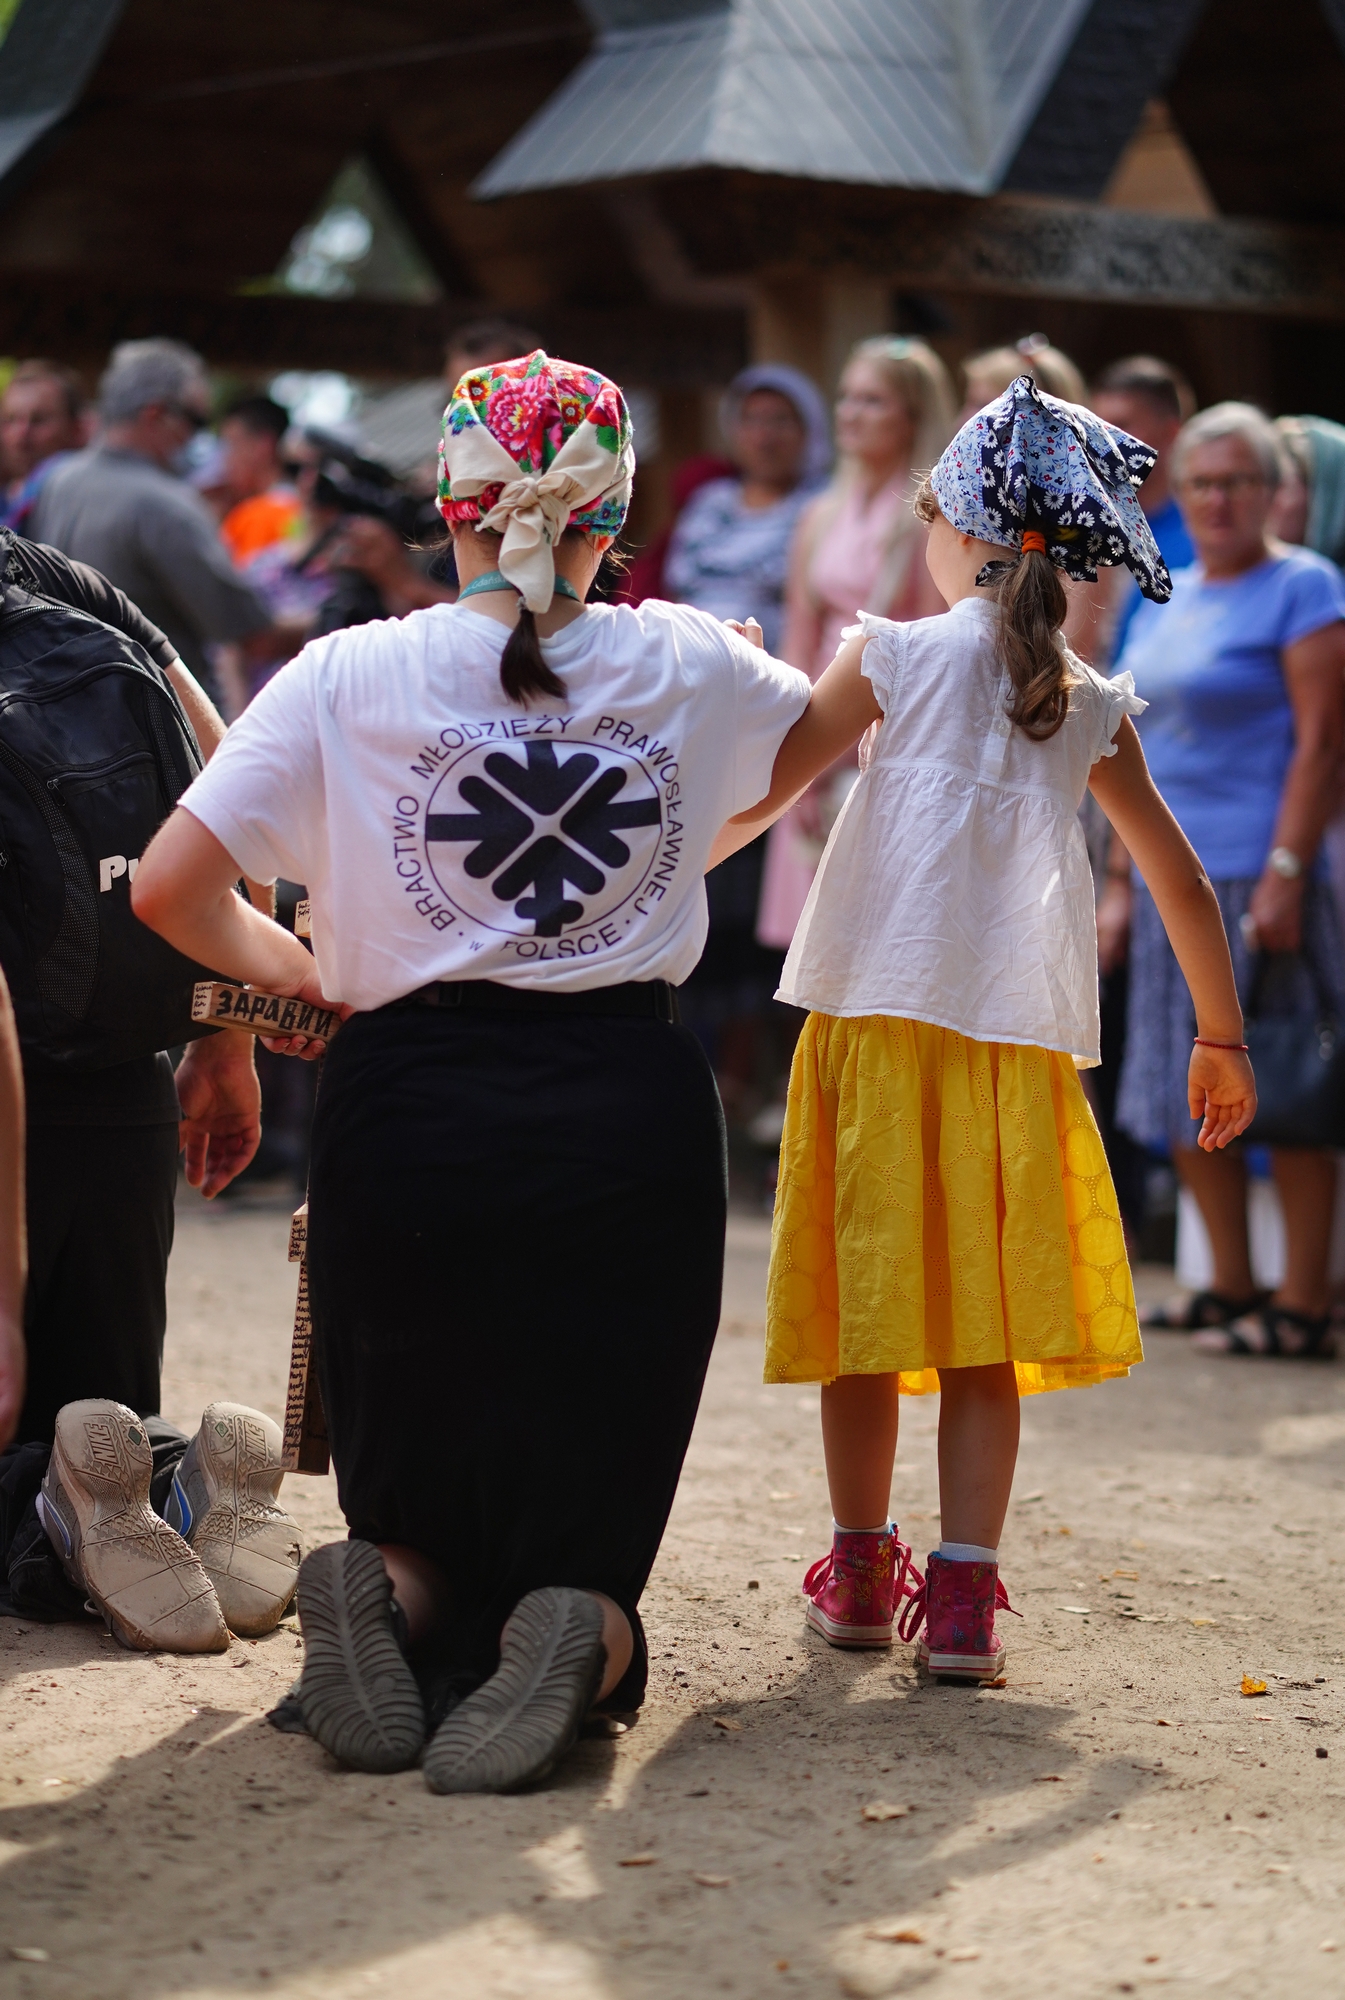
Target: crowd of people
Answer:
pixel 882 686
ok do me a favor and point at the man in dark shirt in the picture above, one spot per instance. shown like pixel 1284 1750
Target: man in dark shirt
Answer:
pixel 102 1153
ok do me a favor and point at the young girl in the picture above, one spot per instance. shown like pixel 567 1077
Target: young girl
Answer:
pixel 946 1221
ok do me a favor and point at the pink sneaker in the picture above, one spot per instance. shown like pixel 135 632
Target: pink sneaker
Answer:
pixel 957 1607
pixel 853 1593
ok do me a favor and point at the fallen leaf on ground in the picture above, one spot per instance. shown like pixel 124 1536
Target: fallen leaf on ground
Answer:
pixel 896 1930
pixel 1278 1868
pixel 1130 1575
pixel 1049 1778
pixel 1001 1682
pixel 882 1809
pixel 1080 1610
pixel 1250 1687
pixel 1064 1531
pixel 637 1861
pixel 722 1722
pixel 713 1881
pixel 1204 1621
pixel 964 1954
pixel 33 1954
pixel 1329 1945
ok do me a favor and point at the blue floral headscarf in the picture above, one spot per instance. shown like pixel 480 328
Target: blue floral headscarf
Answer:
pixel 1031 461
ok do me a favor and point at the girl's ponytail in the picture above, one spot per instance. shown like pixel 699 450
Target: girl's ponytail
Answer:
pixel 1032 607
pixel 523 669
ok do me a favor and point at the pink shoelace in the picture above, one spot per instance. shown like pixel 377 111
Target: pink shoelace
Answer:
pixel 913 1616
pixel 904 1570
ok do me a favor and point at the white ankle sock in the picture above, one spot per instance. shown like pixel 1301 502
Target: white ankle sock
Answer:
pixel 967 1552
pixel 882 1529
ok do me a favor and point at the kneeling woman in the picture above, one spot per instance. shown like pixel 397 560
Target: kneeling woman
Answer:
pixel 503 809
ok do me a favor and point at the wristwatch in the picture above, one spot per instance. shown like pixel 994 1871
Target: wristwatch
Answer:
pixel 1285 863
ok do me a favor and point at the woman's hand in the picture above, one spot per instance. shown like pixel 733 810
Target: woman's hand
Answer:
pixel 1221 1091
pixel 1276 910
pixel 748 629
pixel 1113 923
pixel 307 1047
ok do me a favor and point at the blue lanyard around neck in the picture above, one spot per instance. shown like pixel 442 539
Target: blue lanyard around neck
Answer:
pixel 492 580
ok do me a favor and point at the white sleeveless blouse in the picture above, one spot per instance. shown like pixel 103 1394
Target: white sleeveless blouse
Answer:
pixel 955 887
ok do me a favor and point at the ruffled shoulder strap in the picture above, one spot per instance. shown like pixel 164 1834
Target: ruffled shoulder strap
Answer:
pixel 1119 699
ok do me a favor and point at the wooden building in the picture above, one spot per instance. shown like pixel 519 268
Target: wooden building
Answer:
pixel 667 187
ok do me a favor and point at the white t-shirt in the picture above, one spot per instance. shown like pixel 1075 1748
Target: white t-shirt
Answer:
pixel 446 833
pixel 955 887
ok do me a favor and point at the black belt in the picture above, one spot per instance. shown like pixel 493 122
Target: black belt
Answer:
pixel 653 999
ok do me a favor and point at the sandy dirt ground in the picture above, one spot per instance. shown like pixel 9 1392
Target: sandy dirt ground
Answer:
pixel 1117 1818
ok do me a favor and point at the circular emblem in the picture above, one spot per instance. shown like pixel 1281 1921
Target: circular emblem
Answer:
pixel 536 838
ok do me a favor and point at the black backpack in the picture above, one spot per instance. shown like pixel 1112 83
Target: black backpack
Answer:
pixel 95 750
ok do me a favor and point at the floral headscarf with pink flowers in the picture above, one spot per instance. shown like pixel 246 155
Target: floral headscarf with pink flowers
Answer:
pixel 531 447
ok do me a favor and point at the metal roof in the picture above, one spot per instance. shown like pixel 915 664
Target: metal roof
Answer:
pixel 46 59
pixel 892 93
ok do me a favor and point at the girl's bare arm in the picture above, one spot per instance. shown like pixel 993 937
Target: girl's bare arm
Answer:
pixel 1221 1090
pixel 842 707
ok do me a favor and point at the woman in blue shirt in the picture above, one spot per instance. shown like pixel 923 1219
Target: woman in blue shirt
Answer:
pixel 1244 673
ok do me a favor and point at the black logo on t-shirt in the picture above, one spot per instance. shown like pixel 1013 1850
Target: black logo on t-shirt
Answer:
pixel 539 827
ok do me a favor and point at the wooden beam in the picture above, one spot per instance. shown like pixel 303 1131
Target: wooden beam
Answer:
pixel 1017 247
pixel 79 318
pixel 1050 251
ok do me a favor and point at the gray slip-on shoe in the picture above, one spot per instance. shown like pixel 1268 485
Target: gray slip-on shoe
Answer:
pixel 513 1730
pixel 224 1502
pixel 359 1697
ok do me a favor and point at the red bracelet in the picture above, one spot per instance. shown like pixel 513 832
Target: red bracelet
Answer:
pixel 1201 1043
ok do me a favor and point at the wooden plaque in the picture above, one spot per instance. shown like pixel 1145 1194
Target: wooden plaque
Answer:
pixel 303 918
pixel 228 1006
pixel 305 1447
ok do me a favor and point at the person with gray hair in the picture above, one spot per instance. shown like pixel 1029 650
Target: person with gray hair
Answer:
pixel 122 507
pixel 1244 676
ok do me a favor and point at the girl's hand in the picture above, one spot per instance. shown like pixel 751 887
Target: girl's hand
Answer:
pixel 1276 909
pixel 1221 1091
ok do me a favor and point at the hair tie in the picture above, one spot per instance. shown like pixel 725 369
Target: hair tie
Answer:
pixel 1034 542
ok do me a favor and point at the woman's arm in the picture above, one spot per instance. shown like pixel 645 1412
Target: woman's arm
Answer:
pixel 184 890
pixel 210 728
pixel 1221 1088
pixel 13 1230
pixel 843 706
pixel 1314 674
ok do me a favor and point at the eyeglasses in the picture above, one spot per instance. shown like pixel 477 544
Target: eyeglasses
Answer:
pixel 1201 487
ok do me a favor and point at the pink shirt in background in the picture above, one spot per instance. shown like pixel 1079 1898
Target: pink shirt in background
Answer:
pixel 844 571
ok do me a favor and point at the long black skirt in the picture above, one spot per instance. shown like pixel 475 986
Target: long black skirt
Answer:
pixel 516 1249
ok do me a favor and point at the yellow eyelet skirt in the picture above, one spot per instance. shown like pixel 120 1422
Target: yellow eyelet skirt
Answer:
pixel 943 1203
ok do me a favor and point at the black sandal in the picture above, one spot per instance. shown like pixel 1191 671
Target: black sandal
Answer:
pixel 1201 1311
pixel 1315 1338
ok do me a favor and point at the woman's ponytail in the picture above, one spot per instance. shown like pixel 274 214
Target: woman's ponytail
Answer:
pixel 523 669
pixel 1032 607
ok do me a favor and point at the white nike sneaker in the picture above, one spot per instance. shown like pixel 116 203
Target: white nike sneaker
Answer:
pixel 94 1506
pixel 223 1502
